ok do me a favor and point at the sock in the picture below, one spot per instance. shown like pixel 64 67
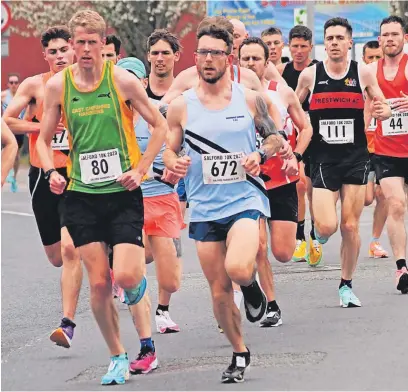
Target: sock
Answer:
pixel 238 298
pixel 163 308
pixel 272 306
pixel 300 232
pixel 374 239
pixel 147 342
pixel 345 282
pixel 312 235
pixel 401 263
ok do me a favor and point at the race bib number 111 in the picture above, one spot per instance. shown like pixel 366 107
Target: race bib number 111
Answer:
pixel 223 168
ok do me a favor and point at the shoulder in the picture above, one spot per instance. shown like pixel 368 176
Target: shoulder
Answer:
pixel 177 105
pixel 281 67
pixel 188 77
pixel 56 83
pixel 121 76
pixel 32 84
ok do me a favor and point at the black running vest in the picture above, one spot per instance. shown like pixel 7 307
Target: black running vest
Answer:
pixel 336 113
pixel 151 94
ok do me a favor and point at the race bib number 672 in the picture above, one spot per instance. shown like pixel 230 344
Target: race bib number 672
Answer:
pixel 223 168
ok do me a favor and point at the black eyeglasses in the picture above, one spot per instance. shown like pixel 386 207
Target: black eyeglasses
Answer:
pixel 14 82
pixel 215 53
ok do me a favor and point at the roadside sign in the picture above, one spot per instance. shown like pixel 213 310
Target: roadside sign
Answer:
pixel 5 16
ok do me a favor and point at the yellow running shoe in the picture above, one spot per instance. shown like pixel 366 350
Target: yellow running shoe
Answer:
pixel 300 253
pixel 315 253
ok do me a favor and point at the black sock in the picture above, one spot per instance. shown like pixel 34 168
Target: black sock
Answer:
pixel 272 306
pixel 163 308
pixel 300 232
pixel 312 235
pixel 345 282
pixel 252 293
pixel 401 263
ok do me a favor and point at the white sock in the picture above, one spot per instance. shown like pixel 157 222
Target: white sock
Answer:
pixel 238 298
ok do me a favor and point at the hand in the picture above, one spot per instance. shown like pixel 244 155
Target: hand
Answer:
pixel 170 177
pixel 286 150
pixel 290 166
pixel 401 104
pixel 380 109
pixel 57 183
pixel 251 163
pixel 180 166
pixel 130 180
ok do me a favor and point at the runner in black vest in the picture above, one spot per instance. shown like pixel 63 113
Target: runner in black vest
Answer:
pixel 300 46
pixel 338 150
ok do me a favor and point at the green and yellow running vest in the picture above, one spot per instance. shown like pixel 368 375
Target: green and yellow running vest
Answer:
pixel 101 135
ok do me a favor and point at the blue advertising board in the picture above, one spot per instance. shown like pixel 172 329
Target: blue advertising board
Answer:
pixel 364 16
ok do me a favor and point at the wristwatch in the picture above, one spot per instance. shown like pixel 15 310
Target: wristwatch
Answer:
pixel 283 134
pixel 262 154
pixel 48 173
pixel 298 156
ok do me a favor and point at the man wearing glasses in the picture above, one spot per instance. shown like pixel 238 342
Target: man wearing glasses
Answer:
pixel 6 97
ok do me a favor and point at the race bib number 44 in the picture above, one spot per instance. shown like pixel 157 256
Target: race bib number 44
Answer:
pixel 60 141
pixel 337 131
pixel 100 166
pixel 397 124
pixel 223 168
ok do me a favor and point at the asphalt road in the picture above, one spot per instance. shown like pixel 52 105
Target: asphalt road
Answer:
pixel 320 346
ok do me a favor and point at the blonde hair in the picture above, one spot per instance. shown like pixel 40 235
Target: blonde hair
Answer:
pixel 91 21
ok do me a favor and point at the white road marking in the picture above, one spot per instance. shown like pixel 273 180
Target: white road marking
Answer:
pixel 16 213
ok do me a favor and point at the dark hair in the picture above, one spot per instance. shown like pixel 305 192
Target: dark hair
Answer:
pixel 220 21
pixel 164 35
pixel 370 45
pixel 300 31
pixel 394 19
pixel 271 31
pixel 55 32
pixel 338 22
pixel 13 74
pixel 217 32
pixel 255 41
pixel 115 40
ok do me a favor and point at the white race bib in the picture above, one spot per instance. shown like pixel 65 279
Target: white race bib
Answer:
pixel 337 131
pixel 397 124
pixel 60 141
pixel 223 168
pixel 100 166
pixel 373 125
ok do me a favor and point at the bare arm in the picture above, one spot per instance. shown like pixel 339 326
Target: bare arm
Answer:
pixel 250 80
pixel 20 101
pixel 272 73
pixel 9 151
pixel 50 119
pixel 133 91
pixel 305 83
pixel 184 81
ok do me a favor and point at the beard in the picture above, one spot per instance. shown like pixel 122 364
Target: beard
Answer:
pixel 394 53
pixel 213 79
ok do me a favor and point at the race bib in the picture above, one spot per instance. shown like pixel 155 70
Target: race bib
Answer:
pixel 100 166
pixel 337 131
pixel 60 141
pixel 373 125
pixel 223 168
pixel 397 124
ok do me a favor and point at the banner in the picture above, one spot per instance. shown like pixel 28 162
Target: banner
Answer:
pixel 364 16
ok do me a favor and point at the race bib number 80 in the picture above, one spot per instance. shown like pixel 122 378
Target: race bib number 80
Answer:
pixel 337 131
pixel 223 168
pixel 100 166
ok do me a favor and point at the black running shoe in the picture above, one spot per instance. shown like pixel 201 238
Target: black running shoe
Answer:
pixel 235 372
pixel 272 319
pixel 254 301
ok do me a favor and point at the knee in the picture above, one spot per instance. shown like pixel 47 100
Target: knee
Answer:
pixel 368 200
pixel 171 285
pixel 301 188
pixel 128 280
pixel 221 295
pixel 349 227
pixel 69 253
pixel 240 273
pixel 283 255
pixel 396 207
pixel 100 288
pixel 54 257
pixel 379 195
pixel 325 230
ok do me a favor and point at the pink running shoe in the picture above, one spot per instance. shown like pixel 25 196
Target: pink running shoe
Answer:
pixel 401 278
pixel 145 362
pixel 117 291
pixel 376 251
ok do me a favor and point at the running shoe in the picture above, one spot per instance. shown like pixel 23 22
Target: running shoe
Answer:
pixel 13 185
pixel 132 297
pixel 62 336
pixel 118 371
pixel 255 303
pixel 322 240
pixel 145 362
pixel 235 372
pixel 315 253
pixel 164 323
pixel 376 251
pixel 220 330
pixel 272 319
pixel 347 298
pixel 300 253
pixel 10 176
pixel 402 280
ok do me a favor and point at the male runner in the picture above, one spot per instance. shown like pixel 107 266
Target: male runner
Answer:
pixel 300 47
pixel 338 150
pixel 55 238
pixel 226 197
pixel 103 203
pixel 273 38
pixel 281 175
pixel 111 50
pixel 8 152
pixel 391 138
pixel 6 97
pixel 371 53
pixel 239 34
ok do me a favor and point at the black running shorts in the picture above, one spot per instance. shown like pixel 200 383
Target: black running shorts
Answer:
pixel 284 203
pixel 386 167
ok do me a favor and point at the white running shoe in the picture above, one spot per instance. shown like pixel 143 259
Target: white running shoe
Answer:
pixel 164 323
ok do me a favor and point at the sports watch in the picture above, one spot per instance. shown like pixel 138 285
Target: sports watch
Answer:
pixel 299 157
pixel 47 174
pixel 262 154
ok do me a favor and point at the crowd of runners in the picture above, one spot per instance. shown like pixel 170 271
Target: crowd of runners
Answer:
pixel 117 154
